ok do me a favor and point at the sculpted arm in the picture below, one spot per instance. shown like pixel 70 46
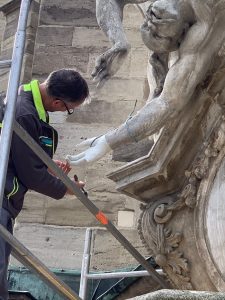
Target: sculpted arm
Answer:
pixel 195 60
pixel 197 51
pixel 199 34
pixel 180 83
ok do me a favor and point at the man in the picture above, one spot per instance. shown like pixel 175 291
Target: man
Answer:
pixel 198 48
pixel 63 90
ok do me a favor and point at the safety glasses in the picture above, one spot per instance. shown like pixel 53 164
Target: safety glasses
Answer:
pixel 69 110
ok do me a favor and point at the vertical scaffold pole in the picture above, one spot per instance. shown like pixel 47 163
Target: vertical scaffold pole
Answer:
pixel 85 265
pixel 12 91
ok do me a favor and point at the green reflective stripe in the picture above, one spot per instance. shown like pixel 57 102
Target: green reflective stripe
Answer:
pixel 33 87
pixel 1 125
pixel 37 100
pixel 15 188
pixel 27 87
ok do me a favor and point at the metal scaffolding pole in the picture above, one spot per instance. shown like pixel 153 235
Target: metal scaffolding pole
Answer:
pixel 87 203
pixel 85 275
pixel 85 265
pixel 11 95
pixel 108 275
pixel 29 260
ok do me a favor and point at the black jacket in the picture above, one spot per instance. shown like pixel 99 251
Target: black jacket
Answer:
pixel 25 169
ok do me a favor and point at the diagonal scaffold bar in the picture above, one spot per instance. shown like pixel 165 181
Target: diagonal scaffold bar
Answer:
pixel 23 255
pixel 19 130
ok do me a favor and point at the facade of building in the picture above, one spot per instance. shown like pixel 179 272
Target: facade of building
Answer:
pixel 66 34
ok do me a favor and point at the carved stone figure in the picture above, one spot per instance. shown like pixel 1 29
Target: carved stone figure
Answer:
pixel 195 28
pixel 181 179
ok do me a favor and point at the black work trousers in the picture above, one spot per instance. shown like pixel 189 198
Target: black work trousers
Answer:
pixel 5 249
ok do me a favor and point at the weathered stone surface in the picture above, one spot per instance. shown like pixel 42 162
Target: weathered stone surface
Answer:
pixel 7 48
pixel 3 2
pixel 101 111
pixel 126 89
pixel 3 81
pixel 139 60
pixel 12 21
pixel 64 246
pixel 2 27
pixel 34 208
pixel 103 257
pixel 11 12
pixel 142 286
pixel 181 295
pixel 134 38
pixel 80 13
pixel 85 37
pixel 133 151
pixel 52 36
pixel 132 17
pixel 50 58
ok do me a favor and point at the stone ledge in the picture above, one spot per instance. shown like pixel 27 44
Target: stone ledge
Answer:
pixel 181 295
pixel 9 6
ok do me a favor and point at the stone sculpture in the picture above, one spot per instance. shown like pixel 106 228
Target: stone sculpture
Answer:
pixel 195 28
pixel 181 179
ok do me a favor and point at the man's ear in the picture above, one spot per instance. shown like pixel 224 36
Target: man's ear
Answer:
pixel 56 103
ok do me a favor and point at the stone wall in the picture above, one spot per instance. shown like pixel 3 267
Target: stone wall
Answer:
pixel 9 15
pixel 2 27
pixel 2 23
pixel 68 36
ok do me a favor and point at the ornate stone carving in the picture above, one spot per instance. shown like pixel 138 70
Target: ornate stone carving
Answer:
pixel 162 242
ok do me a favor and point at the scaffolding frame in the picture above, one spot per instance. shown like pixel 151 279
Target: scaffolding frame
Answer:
pixel 85 269
pixel 10 125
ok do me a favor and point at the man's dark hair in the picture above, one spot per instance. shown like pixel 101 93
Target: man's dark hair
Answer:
pixel 67 85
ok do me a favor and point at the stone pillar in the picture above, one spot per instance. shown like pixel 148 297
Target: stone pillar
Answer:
pixel 10 10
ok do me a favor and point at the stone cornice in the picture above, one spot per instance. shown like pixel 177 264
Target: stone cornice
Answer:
pixel 8 6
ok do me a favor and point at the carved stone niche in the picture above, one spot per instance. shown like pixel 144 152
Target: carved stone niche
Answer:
pixel 181 185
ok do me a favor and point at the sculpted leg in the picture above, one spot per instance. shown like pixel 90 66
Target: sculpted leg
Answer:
pixel 109 15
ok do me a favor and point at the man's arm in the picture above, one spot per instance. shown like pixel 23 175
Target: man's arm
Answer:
pixel 31 171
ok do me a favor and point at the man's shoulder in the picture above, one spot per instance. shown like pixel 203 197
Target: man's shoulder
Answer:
pixel 25 105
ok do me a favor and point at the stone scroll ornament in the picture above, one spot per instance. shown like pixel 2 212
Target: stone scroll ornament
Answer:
pixel 160 240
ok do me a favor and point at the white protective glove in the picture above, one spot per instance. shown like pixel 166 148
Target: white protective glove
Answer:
pixel 98 147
